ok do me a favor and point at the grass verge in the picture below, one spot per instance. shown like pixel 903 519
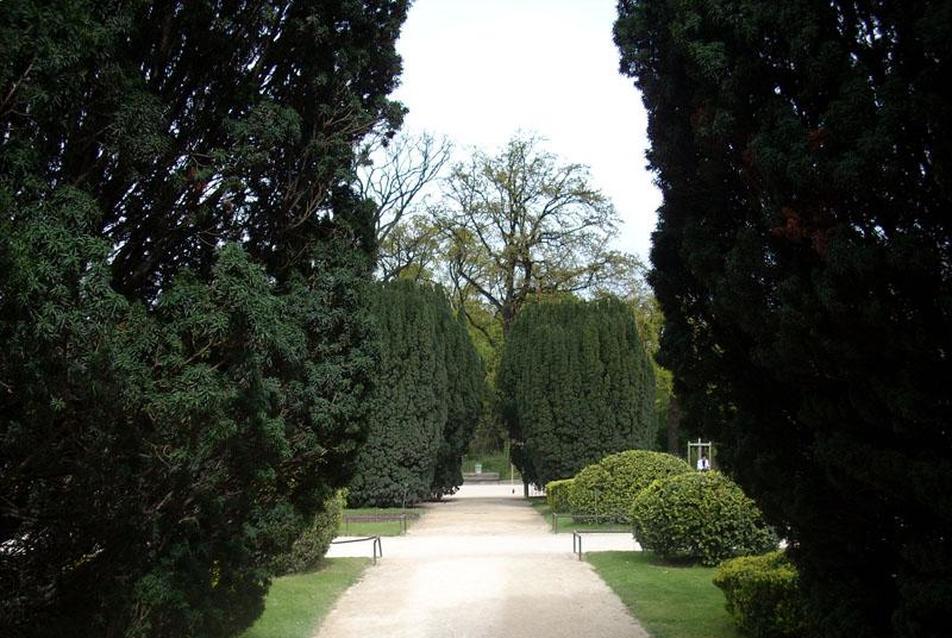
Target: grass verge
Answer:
pixel 296 604
pixel 671 601
pixel 568 523
pixel 376 528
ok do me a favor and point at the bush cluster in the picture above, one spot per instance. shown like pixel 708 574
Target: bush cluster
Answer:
pixel 702 516
pixel 763 595
pixel 609 487
pixel 557 494
pixel 309 549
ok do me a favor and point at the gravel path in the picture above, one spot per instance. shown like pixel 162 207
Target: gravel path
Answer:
pixel 480 565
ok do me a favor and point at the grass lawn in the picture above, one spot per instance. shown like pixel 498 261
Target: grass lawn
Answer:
pixel 296 604
pixel 376 528
pixel 491 462
pixel 567 523
pixel 670 601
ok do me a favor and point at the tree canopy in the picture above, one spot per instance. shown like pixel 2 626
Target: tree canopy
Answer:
pixel 802 263
pixel 524 222
pixel 184 342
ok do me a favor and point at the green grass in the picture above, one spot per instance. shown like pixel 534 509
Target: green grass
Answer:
pixel 296 604
pixel 670 601
pixel 382 528
pixel 492 462
pixel 567 524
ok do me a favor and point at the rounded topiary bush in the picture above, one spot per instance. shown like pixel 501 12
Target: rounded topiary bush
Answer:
pixel 309 549
pixel 557 495
pixel 609 487
pixel 702 516
pixel 763 595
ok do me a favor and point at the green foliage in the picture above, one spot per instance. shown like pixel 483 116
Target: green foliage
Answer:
pixel 801 261
pixel 495 461
pixel 184 339
pixel 466 390
pixel 308 550
pixel 522 221
pixel 576 385
pixel 557 495
pixel 427 399
pixel 763 595
pixel 702 516
pixel 609 487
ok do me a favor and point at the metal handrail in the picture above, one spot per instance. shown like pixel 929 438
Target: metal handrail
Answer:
pixel 577 537
pixel 587 518
pixel 377 544
pixel 404 519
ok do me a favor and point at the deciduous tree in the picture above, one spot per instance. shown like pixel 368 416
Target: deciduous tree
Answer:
pixel 524 222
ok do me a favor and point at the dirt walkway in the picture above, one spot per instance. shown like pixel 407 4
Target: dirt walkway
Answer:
pixel 479 566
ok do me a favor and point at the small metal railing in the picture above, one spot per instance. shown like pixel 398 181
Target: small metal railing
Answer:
pixel 588 518
pixel 378 518
pixel 377 544
pixel 577 537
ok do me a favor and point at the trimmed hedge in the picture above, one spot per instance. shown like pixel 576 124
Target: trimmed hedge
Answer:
pixel 702 516
pixel 763 595
pixel 610 486
pixel 309 549
pixel 574 385
pixel 426 399
pixel 557 494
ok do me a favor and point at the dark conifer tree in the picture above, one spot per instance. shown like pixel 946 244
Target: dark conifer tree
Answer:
pixel 576 385
pixel 426 401
pixel 466 381
pixel 802 262
pixel 183 340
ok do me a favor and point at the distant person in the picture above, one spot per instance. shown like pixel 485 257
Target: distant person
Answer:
pixel 703 465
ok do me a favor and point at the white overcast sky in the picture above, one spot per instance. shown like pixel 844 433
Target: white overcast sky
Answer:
pixel 478 71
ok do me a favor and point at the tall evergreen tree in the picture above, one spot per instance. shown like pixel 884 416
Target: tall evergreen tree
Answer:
pixel 802 262
pixel 466 390
pixel 426 401
pixel 576 385
pixel 183 340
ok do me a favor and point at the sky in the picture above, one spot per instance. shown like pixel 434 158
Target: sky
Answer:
pixel 478 71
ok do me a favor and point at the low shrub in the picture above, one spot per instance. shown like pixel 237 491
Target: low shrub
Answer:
pixel 609 487
pixel 699 516
pixel 763 595
pixel 557 494
pixel 308 550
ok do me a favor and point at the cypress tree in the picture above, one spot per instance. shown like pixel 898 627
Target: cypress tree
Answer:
pixel 573 386
pixel 802 262
pixel 183 339
pixel 466 380
pixel 426 402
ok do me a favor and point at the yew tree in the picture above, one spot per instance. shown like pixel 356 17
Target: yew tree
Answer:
pixel 802 263
pixel 184 341
pixel 575 385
